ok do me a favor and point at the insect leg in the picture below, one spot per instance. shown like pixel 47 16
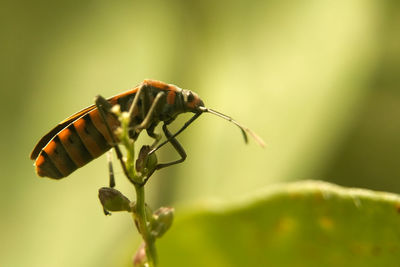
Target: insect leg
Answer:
pixel 178 147
pixel 104 107
pixel 110 169
pixel 135 105
pixel 111 174
pixel 152 134
pixel 192 119
pixel 136 100
pixel 148 119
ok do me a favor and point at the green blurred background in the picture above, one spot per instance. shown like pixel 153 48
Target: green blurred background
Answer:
pixel 318 80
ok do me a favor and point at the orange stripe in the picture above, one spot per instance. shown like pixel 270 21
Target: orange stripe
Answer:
pixel 90 143
pixel 161 85
pixel 171 97
pixel 157 84
pixel 60 158
pixel 100 125
pixel 39 161
pixel 74 147
pixel 45 168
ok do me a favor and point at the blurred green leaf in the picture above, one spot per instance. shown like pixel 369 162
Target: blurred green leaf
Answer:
pixel 300 224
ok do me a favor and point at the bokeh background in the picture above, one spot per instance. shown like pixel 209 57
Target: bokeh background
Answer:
pixel 318 80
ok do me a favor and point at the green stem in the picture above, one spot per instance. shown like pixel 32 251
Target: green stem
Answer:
pixel 139 214
pixel 149 240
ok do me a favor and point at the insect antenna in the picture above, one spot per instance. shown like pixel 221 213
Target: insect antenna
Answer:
pixel 192 119
pixel 243 128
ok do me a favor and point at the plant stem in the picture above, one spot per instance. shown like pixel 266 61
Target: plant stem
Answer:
pixel 140 214
pixel 149 240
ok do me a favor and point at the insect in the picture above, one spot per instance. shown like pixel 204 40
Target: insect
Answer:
pixel 89 133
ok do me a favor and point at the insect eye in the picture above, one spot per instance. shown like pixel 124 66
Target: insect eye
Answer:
pixel 190 97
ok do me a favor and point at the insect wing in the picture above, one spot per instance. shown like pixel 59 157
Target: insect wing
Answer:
pixel 45 139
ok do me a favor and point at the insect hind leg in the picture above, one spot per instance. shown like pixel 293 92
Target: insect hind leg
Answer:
pixel 110 169
pixel 104 108
pixel 111 176
pixel 152 134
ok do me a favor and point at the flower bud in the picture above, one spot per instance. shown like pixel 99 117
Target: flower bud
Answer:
pixel 146 163
pixel 113 200
pixel 116 109
pixel 139 260
pixel 162 221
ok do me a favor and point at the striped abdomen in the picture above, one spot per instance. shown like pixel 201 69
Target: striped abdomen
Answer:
pixel 83 137
pixel 79 142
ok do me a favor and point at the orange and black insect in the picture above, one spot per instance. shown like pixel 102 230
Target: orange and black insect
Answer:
pixel 88 133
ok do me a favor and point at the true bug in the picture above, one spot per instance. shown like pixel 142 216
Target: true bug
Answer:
pixel 88 133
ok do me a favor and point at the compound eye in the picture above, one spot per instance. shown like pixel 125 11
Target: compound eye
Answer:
pixel 190 97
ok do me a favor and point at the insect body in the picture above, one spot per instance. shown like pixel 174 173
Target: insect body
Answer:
pixel 88 133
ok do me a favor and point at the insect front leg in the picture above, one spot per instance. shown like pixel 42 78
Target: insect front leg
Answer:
pixel 178 147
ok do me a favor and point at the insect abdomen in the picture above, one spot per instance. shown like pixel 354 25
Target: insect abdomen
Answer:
pixel 80 142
